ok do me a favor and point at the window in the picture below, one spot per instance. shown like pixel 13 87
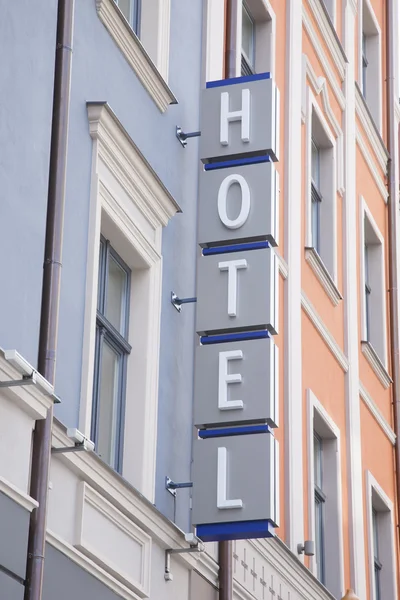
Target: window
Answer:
pixel 374 299
pixel 330 6
pixel 321 232
pixel 377 564
pixel 131 11
pixel 380 541
pixel 325 498
pixel 316 197
pixel 248 42
pixel 370 62
pixel 112 349
pixel 319 498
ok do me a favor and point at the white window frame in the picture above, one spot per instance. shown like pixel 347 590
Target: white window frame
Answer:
pixel 321 422
pixel 378 335
pixel 265 36
pixel 377 499
pixel 328 212
pixel 149 56
pixel 129 205
pixel 368 24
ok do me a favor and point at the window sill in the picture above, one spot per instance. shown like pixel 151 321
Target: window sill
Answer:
pixel 317 265
pixel 134 52
pixel 376 363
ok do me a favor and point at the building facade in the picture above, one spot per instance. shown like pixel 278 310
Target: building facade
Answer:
pixel 125 355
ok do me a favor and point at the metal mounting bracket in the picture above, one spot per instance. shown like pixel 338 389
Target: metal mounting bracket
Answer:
pixel 172 486
pixel 177 302
pixel 183 137
pixel 167 571
pixel 26 380
pixel 79 446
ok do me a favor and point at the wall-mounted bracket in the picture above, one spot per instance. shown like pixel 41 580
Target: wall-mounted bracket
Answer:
pixel 196 545
pixel 172 486
pixel 26 380
pixel 177 302
pixel 183 137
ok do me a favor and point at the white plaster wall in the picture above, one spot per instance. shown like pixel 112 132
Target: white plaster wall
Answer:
pixel 15 444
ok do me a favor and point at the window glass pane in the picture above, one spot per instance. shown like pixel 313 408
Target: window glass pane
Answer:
pixel 109 385
pixel 315 170
pixel 319 538
pixel 318 461
pixel 315 224
pixel 100 290
pixel 116 295
pixel 248 36
pixel 125 7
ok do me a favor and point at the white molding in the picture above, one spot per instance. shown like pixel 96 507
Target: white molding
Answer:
pixel 313 406
pixel 372 135
pixel 320 86
pixel 123 496
pixel 15 494
pixel 87 496
pixel 317 265
pixel 325 28
pixel 323 59
pixel 126 191
pixel 390 581
pixel 324 332
pixel 293 450
pixel 371 166
pixel 30 399
pixel 90 566
pixel 376 413
pixel 135 54
pixel 376 364
pixel 283 266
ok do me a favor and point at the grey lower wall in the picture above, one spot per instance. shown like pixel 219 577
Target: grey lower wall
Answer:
pixel 14 528
pixel 9 588
pixel 64 580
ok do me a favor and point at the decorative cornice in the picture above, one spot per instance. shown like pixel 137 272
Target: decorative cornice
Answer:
pixel 323 59
pixel 130 166
pixel 114 488
pixel 283 266
pixel 30 399
pixel 330 36
pixel 15 494
pixel 317 265
pixel 134 52
pixel 279 556
pixel 380 419
pixel 376 364
pixel 371 131
pixel 371 165
pixel 324 333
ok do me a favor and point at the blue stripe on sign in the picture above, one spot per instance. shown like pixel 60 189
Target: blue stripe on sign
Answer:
pixel 235 80
pixel 230 431
pixel 241 530
pixel 234 337
pixel 235 248
pixel 237 162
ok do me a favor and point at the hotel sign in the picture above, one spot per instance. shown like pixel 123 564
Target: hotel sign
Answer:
pixel 235 459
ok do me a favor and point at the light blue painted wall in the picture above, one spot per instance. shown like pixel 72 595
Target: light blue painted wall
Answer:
pixel 100 73
pixel 27 42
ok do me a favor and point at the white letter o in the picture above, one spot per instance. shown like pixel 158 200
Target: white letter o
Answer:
pixel 222 199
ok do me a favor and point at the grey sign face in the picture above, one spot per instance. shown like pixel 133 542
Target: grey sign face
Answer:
pixel 236 383
pixel 239 119
pixel 237 291
pixel 239 203
pixel 235 479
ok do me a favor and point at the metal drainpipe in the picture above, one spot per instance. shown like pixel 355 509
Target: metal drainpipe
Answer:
pixel 50 294
pixel 392 137
pixel 225 548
